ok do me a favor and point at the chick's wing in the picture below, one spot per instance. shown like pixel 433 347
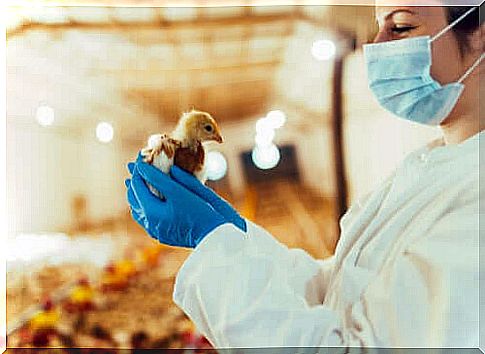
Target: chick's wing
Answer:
pixel 160 151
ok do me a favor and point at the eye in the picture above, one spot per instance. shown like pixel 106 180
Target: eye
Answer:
pixel 208 128
pixel 403 29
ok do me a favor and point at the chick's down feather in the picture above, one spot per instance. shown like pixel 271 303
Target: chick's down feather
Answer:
pixel 184 146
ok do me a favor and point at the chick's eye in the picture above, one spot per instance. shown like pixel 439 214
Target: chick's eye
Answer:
pixel 208 128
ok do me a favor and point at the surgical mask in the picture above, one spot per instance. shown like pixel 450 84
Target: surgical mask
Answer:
pixel 399 76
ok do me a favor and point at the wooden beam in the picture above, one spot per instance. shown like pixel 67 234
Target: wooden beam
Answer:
pixel 223 69
pixel 195 24
pixel 167 78
pixel 245 100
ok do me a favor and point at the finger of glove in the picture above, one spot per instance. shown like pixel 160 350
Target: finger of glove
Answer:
pixel 130 195
pixel 207 194
pixel 141 220
pixel 140 158
pixel 229 213
pixel 131 167
pixel 137 217
pixel 193 184
pixel 219 204
pixel 135 210
pixel 239 222
pixel 159 180
pixel 142 193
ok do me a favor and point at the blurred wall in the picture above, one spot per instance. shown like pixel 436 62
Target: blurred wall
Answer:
pixel 48 166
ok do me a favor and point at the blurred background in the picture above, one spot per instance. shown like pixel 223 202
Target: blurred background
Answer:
pixel 87 86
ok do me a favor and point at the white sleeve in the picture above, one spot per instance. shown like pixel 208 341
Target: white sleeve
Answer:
pixel 249 290
pixel 429 294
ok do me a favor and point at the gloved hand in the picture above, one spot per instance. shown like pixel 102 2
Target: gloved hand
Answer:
pixel 181 219
pixel 207 194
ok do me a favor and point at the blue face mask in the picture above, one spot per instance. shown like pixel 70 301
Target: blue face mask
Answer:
pixel 399 76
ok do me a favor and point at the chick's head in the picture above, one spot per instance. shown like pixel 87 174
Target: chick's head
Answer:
pixel 201 126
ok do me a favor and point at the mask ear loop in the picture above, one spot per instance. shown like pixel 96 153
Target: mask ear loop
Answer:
pixel 469 71
pixel 446 29
pixel 453 24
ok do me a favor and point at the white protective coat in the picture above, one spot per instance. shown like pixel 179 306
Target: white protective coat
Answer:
pixel 405 272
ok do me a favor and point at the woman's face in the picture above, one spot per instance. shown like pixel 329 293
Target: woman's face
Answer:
pixel 399 22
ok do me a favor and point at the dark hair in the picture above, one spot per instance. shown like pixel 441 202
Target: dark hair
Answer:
pixel 466 26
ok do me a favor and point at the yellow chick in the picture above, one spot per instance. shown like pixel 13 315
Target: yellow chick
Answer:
pixel 183 147
pixel 125 268
pixel 112 280
pixel 46 318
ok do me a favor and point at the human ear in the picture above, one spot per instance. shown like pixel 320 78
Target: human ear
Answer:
pixel 475 40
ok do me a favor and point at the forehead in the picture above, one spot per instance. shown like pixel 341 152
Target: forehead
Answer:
pixel 425 13
pixel 408 3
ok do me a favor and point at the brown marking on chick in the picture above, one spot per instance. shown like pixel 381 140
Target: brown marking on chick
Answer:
pixel 167 145
pixel 190 159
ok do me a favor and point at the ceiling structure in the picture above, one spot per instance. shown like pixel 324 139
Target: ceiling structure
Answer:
pixel 160 61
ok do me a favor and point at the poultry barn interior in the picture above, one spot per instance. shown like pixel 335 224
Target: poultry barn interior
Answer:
pixel 86 87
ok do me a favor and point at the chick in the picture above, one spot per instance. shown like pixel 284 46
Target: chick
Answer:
pixel 43 325
pixel 81 297
pixel 184 146
pixel 112 279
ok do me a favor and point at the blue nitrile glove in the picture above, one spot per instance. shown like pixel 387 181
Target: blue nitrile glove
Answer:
pixel 181 219
pixel 207 194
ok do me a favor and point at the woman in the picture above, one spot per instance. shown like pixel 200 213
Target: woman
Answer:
pixel 405 271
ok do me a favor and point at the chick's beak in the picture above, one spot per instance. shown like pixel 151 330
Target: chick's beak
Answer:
pixel 218 138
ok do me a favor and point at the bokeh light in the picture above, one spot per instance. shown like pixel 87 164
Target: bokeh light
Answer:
pixel 323 49
pixel 216 165
pixel 264 138
pixel 44 115
pixel 263 125
pixel 276 119
pixel 104 132
pixel 266 158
